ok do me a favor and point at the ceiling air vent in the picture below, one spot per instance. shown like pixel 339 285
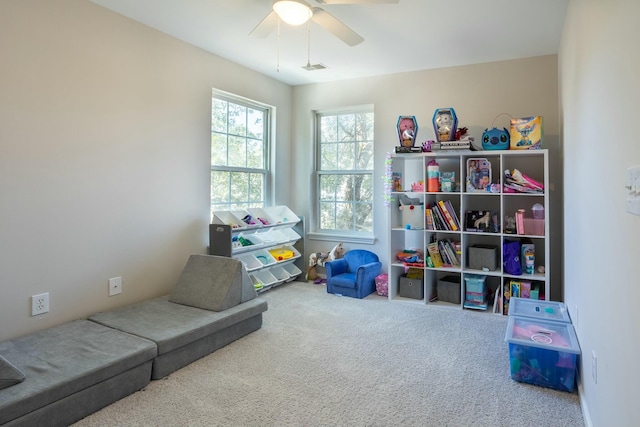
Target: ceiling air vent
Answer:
pixel 313 67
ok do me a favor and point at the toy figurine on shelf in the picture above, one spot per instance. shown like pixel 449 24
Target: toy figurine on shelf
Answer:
pixel 407 128
pixel 510 225
pixel 445 124
pixel 417 187
pixel 461 133
pixel 448 136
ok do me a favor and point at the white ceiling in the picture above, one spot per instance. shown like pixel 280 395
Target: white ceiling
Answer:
pixel 408 36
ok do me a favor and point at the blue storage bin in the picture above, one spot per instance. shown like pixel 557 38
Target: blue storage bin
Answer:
pixel 475 283
pixel 542 352
pixel 475 294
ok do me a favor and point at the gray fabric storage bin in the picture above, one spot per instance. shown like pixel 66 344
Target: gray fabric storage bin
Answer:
pixel 483 256
pixel 449 289
pixel 411 288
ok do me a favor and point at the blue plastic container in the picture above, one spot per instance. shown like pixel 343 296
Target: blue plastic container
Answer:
pixel 542 352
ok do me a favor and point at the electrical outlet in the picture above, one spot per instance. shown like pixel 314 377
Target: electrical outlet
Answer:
pixel 40 304
pixel 115 286
pixel 594 366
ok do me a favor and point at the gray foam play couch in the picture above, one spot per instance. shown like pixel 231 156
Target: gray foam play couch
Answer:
pixel 74 369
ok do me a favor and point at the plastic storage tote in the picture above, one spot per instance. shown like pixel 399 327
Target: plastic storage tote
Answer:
pixel 542 352
pixel 536 309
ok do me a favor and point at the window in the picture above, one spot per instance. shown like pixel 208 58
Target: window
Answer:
pixel 345 172
pixel 239 153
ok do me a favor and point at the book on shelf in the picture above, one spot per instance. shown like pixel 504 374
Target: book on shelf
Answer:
pixel 448 249
pixel 400 149
pixel 439 221
pixel 453 212
pixel 451 224
pixel 443 254
pixel 396 181
pixel 434 254
pixel 429 215
pixel 454 253
pixel 446 256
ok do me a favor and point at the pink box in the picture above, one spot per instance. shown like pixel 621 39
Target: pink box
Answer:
pixel 533 226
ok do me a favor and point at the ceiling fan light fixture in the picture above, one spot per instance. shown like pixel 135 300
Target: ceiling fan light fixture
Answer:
pixel 293 12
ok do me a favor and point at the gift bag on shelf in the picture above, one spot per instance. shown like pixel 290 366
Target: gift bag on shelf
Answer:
pixel 511 257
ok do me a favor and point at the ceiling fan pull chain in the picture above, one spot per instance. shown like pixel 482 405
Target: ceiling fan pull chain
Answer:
pixel 278 49
pixel 309 41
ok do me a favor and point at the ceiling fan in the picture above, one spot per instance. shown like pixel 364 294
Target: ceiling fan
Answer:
pixel 297 12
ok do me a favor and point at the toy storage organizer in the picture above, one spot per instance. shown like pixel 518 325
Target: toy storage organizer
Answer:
pixel 483 201
pixel 268 241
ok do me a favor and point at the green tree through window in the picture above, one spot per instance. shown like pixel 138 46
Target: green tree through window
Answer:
pixel 239 153
pixel 345 171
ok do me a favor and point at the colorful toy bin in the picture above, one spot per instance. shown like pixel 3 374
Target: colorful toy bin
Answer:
pixel 542 352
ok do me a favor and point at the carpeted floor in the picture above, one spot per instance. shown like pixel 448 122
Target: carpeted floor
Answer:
pixel 324 360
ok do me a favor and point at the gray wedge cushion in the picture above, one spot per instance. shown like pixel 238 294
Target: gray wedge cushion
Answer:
pixel 9 374
pixel 213 283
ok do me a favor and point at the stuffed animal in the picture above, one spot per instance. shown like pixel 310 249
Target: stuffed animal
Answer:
pixel 320 258
pixel 312 273
pixel 407 130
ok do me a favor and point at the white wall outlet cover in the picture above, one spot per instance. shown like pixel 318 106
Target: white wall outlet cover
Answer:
pixel 40 304
pixel 115 286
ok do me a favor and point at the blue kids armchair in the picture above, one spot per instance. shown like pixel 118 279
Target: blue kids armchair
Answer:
pixel 354 274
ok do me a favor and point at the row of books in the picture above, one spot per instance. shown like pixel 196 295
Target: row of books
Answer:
pixel 442 216
pixel 443 253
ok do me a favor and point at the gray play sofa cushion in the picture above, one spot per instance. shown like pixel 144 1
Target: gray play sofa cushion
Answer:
pixel 182 333
pixel 72 370
pixel 9 374
pixel 213 283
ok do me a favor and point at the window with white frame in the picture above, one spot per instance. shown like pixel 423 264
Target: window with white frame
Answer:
pixel 240 145
pixel 344 170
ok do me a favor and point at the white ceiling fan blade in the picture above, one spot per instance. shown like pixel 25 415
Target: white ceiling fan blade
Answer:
pixel 358 1
pixel 336 27
pixel 268 24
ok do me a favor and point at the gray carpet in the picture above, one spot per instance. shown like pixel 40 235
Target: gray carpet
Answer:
pixel 323 360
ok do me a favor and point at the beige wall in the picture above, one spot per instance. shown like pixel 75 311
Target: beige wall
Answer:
pixel 600 89
pixel 104 142
pixel 478 93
